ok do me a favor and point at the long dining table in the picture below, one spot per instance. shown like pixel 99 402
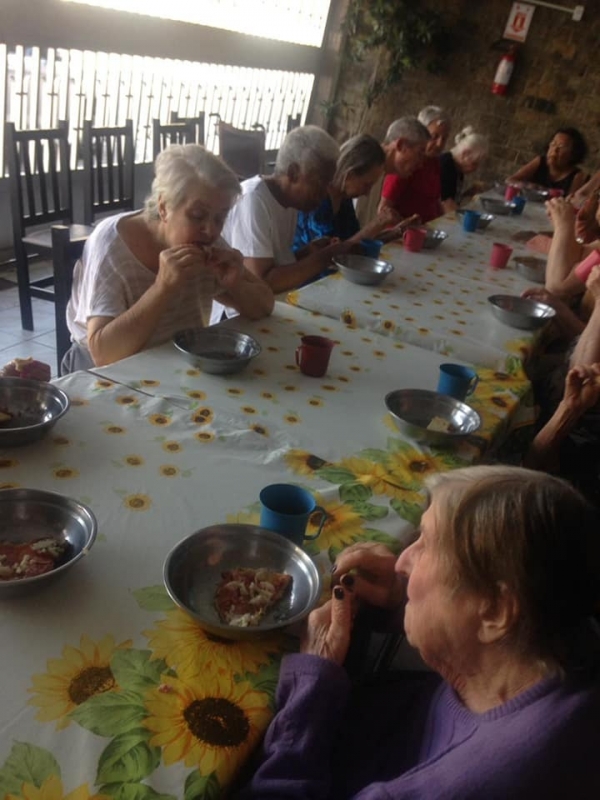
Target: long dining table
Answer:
pixel 110 690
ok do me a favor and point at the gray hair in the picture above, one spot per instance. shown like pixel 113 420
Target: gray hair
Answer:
pixel 358 155
pixel 528 532
pixel 311 148
pixel 431 114
pixel 467 139
pixel 179 166
pixel 408 128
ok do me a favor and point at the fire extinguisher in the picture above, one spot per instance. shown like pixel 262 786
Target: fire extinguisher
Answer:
pixel 504 72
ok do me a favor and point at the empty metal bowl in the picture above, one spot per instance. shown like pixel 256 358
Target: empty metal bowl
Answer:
pixel 27 515
pixel 216 350
pixel 521 312
pixel 535 194
pixel 33 407
pixel 531 268
pixel 363 270
pixel 496 206
pixel 483 221
pixel 413 410
pixel 193 570
pixel 434 239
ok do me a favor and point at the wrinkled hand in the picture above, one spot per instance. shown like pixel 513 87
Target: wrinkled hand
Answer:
pixel 582 389
pixel 398 230
pixel 578 198
pixel 388 216
pixel 593 283
pixel 227 266
pixel 178 265
pixel 586 224
pixel 375 579
pixel 561 212
pixel 329 628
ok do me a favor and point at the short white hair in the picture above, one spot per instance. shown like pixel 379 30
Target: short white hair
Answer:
pixel 467 139
pixel 311 148
pixel 431 114
pixel 408 128
pixel 181 165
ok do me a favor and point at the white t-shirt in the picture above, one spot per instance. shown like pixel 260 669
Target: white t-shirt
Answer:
pixel 109 279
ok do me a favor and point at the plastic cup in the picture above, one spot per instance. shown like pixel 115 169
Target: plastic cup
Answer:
pixel 471 220
pixel 371 247
pixel 555 193
pixel 457 380
pixel 510 193
pixel 312 356
pixel 414 239
pixel 286 509
pixel 583 269
pixel 500 255
pixel 518 205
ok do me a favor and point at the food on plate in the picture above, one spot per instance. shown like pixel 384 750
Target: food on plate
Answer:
pixel 245 595
pixel 27 368
pixel 26 560
pixel 5 417
pixel 441 425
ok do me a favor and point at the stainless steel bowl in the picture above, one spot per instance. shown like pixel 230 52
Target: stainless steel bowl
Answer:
pixel 496 206
pixel 414 409
pixel 434 239
pixel 193 568
pixel 531 268
pixel 30 514
pixel 216 350
pixel 520 312
pixel 34 407
pixel 535 195
pixel 483 221
pixel 363 270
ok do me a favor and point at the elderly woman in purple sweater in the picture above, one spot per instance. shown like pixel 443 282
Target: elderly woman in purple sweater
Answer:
pixel 499 587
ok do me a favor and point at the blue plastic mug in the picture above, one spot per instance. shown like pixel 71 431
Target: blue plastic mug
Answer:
pixel 470 221
pixel 457 381
pixel 371 247
pixel 518 204
pixel 286 509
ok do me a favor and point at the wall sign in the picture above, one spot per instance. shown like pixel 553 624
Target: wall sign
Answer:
pixel 519 21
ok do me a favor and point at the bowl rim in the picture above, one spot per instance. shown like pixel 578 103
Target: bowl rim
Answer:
pixel 387 266
pixel 493 298
pixel 52 497
pixel 430 393
pixel 28 383
pixel 265 533
pixel 230 333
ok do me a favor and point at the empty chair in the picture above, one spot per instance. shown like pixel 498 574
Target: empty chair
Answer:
pixel 40 194
pixel 243 151
pixel 65 253
pixel 108 156
pixel 197 122
pixel 171 133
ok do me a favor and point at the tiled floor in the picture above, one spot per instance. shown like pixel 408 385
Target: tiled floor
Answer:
pixel 17 343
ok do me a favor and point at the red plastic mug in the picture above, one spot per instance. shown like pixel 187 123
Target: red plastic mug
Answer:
pixel 414 239
pixel 313 355
pixel 555 193
pixel 510 193
pixel 500 255
pixel 583 269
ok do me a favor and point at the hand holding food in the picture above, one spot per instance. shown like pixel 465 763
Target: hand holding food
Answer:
pixel 561 212
pixel 373 568
pixel 179 264
pixel 582 388
pixel 226 264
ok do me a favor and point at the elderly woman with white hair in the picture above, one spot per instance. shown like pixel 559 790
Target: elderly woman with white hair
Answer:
pixel 499 591
pixel 145 274
pixel 262 224
pixel 419 193
pixel 465 157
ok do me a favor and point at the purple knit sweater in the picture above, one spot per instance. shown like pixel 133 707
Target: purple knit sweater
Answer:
pixel 413 739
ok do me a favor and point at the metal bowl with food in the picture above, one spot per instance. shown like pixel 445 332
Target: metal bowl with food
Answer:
pixel 194 569
pixel 217 350
pixel 520 312
pixel 535 194
pixel 28 409
pixel 484 220
pixel 362 269
pixel 42 535
pixel 531 268
pixel 496 206
pixel 430 417
pixel 434 238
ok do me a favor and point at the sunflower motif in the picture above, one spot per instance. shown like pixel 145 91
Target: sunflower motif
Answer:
pixel 137 502
pixel 366 339
pixel 172 447
pixel 104 384
pixel 343 525
pixel 409 467
pixel 272 349
pixel 189 650
pixel 379 353
pixel 204 436
pixel 355 368
pixel 161 420
pixel 291 367
pixel 234 391
pixel 52 789
pixel 289 387
pixel 192 372
pixel 116 429
pixel 209 722
pixel 249 410
pixel 399 346
pixel 292 419
pixel 126 400
pixel 69 681
pixel 264 329
pixel 79 401
pixel 149 382
pixel 61 441
pixel 202 416
pixel 343 379
pixel 260 429
pixel 196 394
pixel 259 371
pixel 328 387
pixel 134 461
pixel 388 325
pixel 267 395
pixel 348 318
pixel 63 473
pixel 316 402
pixel 169 471
pixel 381 478
pixel 325 329
pixel 302 462
pixel 8 463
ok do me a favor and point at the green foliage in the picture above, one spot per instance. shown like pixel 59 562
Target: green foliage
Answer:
pixel 407 34
pixel 26 764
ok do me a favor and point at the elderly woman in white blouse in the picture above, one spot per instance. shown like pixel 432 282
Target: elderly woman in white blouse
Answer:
pixel 146 274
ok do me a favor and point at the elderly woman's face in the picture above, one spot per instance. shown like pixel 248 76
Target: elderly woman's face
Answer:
pixel 440 620
pixel 199 219
pixel 469 160
pixel 439 136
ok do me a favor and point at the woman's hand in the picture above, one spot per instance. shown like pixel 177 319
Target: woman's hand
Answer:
pixel 388 216
pixel 178 265
pixel 329 628
pixel 582 389
pixel 227 265
pixel 586 224
pixel 373 569
pixel 561 213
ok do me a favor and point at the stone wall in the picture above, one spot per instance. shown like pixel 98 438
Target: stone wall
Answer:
pixel 558 63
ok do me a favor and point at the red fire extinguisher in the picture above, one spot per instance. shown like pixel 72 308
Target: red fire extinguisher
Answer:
pixel 504 72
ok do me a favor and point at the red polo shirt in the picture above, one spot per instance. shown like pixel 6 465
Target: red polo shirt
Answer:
pixel 418 194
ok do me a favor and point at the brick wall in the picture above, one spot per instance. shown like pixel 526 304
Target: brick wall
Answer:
pixel 560 63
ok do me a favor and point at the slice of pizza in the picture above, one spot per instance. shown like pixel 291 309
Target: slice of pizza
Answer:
pixel 244 595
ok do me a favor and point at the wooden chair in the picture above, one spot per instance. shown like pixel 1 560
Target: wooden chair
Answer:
pixel 172 133
pixel 40 194
pixel 242 150
pixel 108 157
pixel 197 122
pixel 65 253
